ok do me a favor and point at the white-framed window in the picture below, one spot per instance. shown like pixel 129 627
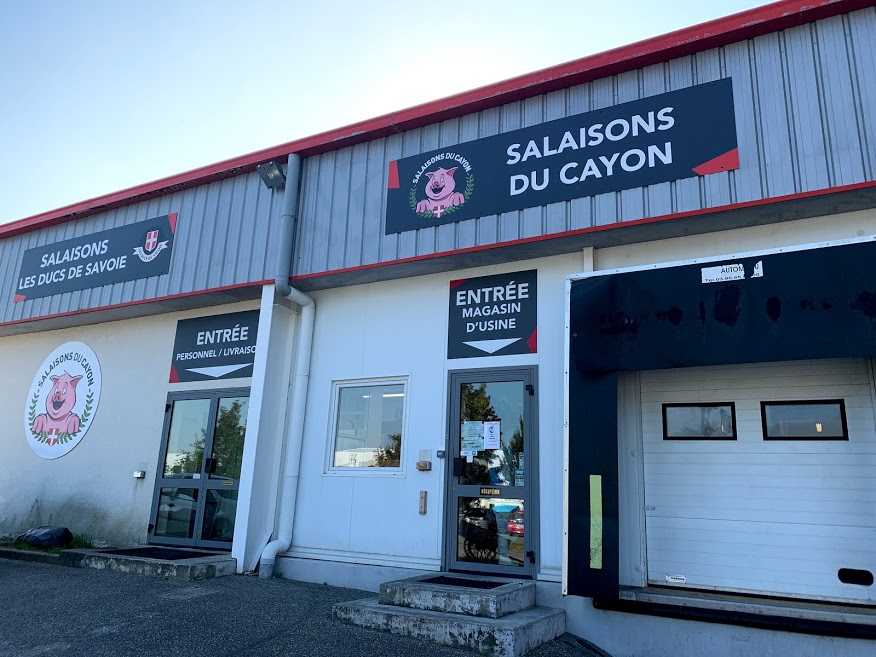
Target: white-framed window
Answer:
pixel 367 426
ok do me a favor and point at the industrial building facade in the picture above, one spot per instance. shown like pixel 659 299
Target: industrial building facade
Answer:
pixel 610 326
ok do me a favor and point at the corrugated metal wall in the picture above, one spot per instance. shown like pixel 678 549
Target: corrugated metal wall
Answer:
pixel 225 235
pixel 804 110
pixel 805 120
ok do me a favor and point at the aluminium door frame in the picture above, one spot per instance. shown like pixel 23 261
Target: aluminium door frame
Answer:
pixel 532 534
pixel 214 395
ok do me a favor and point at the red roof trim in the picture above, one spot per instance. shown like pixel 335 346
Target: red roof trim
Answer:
pixel 722 31
pixel 597 229
pixel 140 302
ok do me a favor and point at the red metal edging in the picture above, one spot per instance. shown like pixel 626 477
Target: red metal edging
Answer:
pixel 722 31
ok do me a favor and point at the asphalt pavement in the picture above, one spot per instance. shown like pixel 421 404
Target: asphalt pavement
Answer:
pixel 54 611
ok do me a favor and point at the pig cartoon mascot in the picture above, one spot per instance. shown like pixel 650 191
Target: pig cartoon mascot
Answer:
pixel 440 192
pixel 59 418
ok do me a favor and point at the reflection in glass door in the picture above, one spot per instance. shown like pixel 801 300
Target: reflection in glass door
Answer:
pixel 199 468
pixel 492 450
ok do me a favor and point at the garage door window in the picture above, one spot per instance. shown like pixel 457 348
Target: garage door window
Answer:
pixel 804 420
pixel 699 421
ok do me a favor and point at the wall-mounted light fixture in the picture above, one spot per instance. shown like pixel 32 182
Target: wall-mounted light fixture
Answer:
pixel 272 175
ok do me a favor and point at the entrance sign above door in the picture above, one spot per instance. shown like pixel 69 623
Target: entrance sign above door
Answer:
pixel 62 401
pixel 111 256
pixel 215 347
pixel 493 315
pixel 681 134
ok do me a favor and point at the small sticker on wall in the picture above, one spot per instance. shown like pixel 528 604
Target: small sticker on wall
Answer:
pixel 676 579
pixel 721 273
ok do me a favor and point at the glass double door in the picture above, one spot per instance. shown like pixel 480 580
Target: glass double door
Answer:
pixel 199 469
pixel 490 512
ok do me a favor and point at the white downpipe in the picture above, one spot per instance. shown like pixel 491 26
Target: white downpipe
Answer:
pixel 300 378
pixel 295 439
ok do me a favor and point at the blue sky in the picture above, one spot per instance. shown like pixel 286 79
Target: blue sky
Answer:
pixel 98 96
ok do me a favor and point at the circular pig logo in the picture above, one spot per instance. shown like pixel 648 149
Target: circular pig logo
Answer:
pixel 443 188
pixel 63 400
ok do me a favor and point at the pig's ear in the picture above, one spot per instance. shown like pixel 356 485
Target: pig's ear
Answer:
pixel 74 380
pixel 430 174
pixel 54 378
pixel 450 171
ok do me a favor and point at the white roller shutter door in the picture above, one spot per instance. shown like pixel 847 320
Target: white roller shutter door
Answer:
pixel 755 515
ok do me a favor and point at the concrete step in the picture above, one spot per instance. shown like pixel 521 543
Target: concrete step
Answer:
pixel 184 569
pixel 513 635
pixel 472 595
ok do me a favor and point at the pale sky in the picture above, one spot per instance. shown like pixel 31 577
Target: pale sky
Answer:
pixel 100 95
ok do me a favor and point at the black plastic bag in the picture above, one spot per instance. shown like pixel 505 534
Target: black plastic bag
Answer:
pixel 47 537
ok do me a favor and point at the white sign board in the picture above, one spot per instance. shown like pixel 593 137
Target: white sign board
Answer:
pixel 62 401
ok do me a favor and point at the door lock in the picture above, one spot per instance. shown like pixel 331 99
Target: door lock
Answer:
pixel 457 466
pixel 530 554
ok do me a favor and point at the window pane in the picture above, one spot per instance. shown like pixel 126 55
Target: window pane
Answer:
pixel 176 512
pixel 219 515
pixel 799 420
pixel 188 431
pixel 490 530
pixel 228 439
pixel 492 408
pixel 699 422
pixel 369 426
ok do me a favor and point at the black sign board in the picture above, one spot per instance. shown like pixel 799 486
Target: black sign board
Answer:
pixel 215 347
pixel 680 134
pixel 812 303
pixel 111 256
pixel 493 315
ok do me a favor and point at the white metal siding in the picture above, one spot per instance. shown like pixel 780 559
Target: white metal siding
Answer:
pixel 777 517
pixel 803 101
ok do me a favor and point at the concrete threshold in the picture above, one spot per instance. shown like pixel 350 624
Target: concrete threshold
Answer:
pixel 827 612
pixel 182 568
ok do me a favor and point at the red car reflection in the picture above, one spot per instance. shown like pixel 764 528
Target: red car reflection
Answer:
pixel 515 524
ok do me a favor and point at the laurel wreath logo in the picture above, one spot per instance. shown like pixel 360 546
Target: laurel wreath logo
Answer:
pixel 428 214
pixel 43 436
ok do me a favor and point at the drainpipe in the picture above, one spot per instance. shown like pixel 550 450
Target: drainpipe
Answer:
pixel 301 376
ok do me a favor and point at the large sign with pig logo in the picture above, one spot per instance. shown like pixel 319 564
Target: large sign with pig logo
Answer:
pixel 681 134
pixel 62 401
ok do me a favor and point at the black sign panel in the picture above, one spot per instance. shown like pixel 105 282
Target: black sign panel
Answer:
pixel 680 134
pixel 111 256
pixel 215 347
pixel 814 303
pixel 493 315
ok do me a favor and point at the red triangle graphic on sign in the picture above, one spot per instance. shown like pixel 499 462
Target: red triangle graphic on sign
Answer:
pixel 532 341
pixel 392 181
pixel 725 162
pixel 18 298
pixel 172 219
pixel 174 377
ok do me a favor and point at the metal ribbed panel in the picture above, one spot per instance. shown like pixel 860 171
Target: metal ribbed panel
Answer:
pixel 225 235
pixel 803 100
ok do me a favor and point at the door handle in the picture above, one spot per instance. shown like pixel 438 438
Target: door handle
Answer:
pixel 457 466
pixel 209 465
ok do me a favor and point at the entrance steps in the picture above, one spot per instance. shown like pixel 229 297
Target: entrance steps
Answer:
pixel 490 615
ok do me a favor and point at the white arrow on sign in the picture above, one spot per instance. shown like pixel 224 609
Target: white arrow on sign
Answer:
pixel 491 346
pixel 218 370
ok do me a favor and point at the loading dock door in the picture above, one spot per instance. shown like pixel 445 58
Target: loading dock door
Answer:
pixel 780 517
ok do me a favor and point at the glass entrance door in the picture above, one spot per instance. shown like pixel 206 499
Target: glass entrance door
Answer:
pixel 199 469
pixel 490 515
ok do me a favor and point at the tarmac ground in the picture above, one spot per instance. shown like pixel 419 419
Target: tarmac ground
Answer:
pixel 54 611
